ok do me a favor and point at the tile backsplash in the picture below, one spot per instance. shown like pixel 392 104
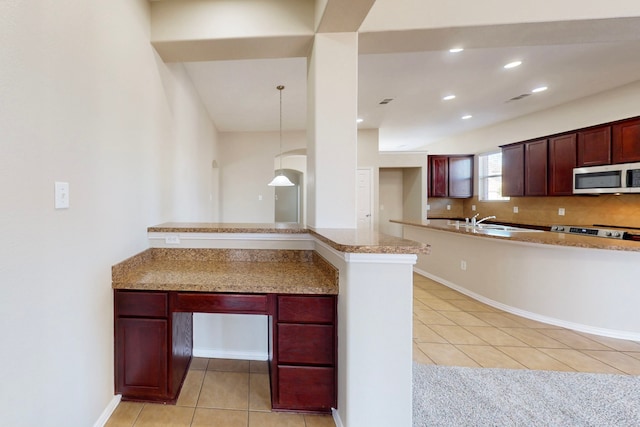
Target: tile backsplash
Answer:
pixel 623 210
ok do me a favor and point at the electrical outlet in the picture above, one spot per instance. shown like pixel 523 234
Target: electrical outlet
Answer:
pixel 473 208
pixel 260 197
pixel 448 207
pixel 428 207
pixel 463 265
pixel 561 211
pixel 172 240
pixel 515 209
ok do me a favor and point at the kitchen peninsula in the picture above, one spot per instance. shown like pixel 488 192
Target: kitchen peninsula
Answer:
pixel 583 283
pixel 325 291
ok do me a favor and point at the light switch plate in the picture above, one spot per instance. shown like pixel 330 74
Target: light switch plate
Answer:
pixel 515 209
pixel 61 195
pixel 561 211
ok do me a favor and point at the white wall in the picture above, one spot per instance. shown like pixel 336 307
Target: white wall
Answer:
pixel 84 100
pixel 391 203
pixel 590 290
pixel 247 168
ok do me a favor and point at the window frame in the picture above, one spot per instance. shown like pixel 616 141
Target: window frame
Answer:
pixel 484 176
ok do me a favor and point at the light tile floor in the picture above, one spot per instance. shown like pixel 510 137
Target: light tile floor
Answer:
pixel 449 329
pixel 220 393
pixel 453 329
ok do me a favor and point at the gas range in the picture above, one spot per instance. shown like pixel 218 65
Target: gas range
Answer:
pixel 610 232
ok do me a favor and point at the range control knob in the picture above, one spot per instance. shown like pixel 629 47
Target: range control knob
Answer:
pixel 616 234
pixel 559 228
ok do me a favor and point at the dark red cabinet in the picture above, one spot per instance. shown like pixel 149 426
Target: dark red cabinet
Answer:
pixel 304 359
pixel 594 147
pixel 438 176
pixel 513 170
pixel 562 160
pixel 154 343
pixel 535 168
pixel 152 346
pixel 524 169
pixel 626 141
pixel 450 176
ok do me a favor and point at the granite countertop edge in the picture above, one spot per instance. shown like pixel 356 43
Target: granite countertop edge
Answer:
pixel 348 240
pixel 537 237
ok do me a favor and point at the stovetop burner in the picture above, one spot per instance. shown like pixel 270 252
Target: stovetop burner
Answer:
pixel 611 233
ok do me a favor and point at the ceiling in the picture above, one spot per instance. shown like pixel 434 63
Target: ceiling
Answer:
pixel 241 95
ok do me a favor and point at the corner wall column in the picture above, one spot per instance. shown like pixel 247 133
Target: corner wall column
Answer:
pixel 332 93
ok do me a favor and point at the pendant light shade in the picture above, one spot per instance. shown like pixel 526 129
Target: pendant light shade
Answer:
pixel 281 180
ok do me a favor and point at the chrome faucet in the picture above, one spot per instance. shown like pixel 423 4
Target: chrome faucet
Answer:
pixel 473 220
pixel 484 219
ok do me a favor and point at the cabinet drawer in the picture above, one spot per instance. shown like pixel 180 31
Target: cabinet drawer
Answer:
pixel 306 344
pixel 141 304
pixel 306 309
pixel 306 388
pixel 221 303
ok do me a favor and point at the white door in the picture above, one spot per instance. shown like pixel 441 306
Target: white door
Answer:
pixel 365 198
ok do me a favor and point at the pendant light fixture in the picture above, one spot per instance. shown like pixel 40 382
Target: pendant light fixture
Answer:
pixel 280 180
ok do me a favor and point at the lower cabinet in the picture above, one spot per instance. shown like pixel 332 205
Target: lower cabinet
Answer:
pixel 152 346
pixel 141 357
pixel 154 343
pixel 306 388
pixel 304 360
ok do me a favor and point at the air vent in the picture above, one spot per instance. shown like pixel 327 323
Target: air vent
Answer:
pixel 386 101
pixel 519 97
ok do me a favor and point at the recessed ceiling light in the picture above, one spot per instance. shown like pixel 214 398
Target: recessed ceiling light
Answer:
pixel 513 64
pixel 456 50
pixel 448 97
pixel 539 89
pixel 466 117
pixel 359 120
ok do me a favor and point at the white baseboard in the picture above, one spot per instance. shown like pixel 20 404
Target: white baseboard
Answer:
pixel 106 414
pixel 225 354
pixel 611 333
pixel 336 417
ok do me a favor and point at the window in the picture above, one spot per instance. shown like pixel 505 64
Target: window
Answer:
pixel 490 176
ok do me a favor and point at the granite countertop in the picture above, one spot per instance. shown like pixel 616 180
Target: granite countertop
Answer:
pixel 540 237
pixel 351 240
pixel 227 270
pixel 228 227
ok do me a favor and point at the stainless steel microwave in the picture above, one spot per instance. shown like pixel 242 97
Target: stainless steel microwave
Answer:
pixel 623 178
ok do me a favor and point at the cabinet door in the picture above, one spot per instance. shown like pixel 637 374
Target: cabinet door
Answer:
pixel 460 176
pixel 306 388
pixel 438 176
pixel 535 168
pixel 513 170
pixel 594 147
pixel 141 357
pixel 562 160
pixel 626 141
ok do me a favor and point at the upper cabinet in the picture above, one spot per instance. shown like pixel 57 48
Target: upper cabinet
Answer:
pixel 513 170
pixel 594 146
pixel 626 141
pixel 562 160
pixel 438 176
pixel 524 169
pixel 535 168
pixel 451 176
pixel 544 167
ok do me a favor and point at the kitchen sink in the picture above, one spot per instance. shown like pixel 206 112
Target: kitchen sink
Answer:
pixel 505 228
